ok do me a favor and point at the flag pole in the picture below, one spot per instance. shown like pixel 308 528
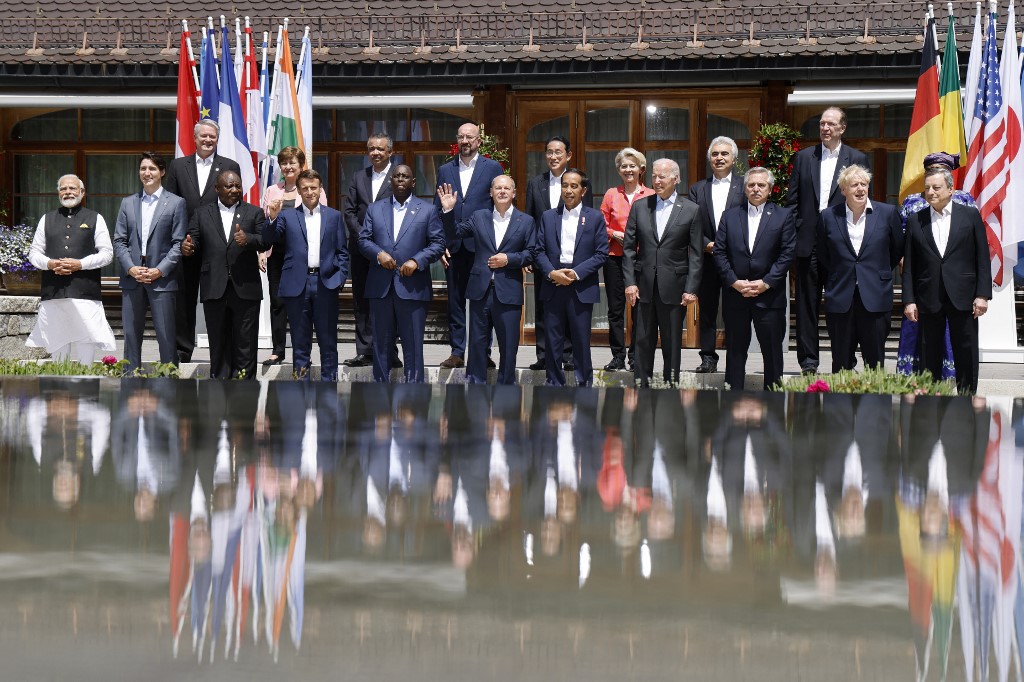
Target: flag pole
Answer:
pixel 191 55
pixel 271 128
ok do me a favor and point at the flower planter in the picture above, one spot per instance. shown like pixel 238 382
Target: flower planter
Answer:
pixel 23 283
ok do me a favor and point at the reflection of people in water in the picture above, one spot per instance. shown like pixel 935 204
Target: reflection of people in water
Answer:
pixel 145 445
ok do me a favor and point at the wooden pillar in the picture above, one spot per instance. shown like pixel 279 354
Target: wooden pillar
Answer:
pixel 491 108
pixel 773 102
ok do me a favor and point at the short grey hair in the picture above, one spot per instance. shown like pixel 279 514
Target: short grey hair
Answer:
pixel 850 173
pixel 506 177
pixel 640 159
pixel 60 181
pixel 382 136
pixel 944 172
pixel 209 122
pixel 759 170
pixel 722 139
pixel 673 167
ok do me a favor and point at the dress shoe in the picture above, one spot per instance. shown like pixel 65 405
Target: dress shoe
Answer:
pixel 490 363
pixel 569 366
pixel 538 366
pixel 707 367
pixel 396 364
pixel 808 371
pixel 359 361
pixel 616 365
pixel 184 357
pixel 453 362
pixel 273 360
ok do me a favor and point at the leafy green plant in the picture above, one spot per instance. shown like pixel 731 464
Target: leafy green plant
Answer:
pixel 490 148
pixel 773 148
pixel 869 381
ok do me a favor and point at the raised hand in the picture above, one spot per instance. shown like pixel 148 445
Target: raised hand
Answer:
pixel 187 246
pixel 447 196
pixel 240 238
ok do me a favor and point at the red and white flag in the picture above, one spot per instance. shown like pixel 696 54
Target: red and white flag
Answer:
pixel 252 107
pixel 188 98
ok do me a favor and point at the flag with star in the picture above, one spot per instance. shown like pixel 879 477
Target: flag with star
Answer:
pixel 209 85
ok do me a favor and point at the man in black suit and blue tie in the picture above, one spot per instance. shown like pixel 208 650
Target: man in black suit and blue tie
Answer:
pixel 470 175
pixel 401 236
pixel 754 249
pixel 859 244
pixel 505 242
pixel 147 244
pixel 315 267
pixel 572 246
pixel 947 278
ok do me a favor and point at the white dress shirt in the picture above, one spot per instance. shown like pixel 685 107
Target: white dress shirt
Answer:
pixel 720 196
pixel 500 225
pixel 466 173
pixel 555 189
pixel 829 159
pixel 149 202
pixel 226 216
pixel 855 228
pixel 663 212
pixel 377 181
pixel 570 226
pixel 940 227
pixel 312 235
pixel 398 213
pixel 754 214
pixel 203 168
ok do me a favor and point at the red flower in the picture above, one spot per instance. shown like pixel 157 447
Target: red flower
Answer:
pixel 109 360
pixel 819 386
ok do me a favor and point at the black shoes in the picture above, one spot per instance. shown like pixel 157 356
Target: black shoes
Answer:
pixel 707 366
pixel 537 366
pixel 616 365
pixel 396 364
pixel 568 366
pixel 273 360
pixel 359 361
pixel 490 363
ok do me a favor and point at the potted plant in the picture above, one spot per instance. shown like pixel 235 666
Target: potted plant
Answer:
pixel 774 146
pixel 490 148
pixel 20 277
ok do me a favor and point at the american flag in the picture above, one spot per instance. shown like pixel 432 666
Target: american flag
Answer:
pixel 987 159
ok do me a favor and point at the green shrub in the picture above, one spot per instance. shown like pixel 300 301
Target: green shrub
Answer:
pixel 869 381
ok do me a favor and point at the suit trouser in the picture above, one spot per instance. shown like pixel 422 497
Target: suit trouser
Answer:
pixel 809 285
pixel 654 316
pixel 709 294
pixel 858 326
pixel 486 314
pixel 278 315
pixel 133 315
pixel 232 324
pixel 565 316
pixel 391 317
pixel 963 337
pixel 185 305
pixel 459 267
pixel 315 308
pixel 770 327
pixel 540 338
pixel 615 290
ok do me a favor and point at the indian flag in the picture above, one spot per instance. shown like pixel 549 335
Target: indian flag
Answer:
pixel 285 128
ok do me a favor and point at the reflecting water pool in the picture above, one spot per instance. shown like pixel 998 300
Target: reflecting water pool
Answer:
pixel 169 529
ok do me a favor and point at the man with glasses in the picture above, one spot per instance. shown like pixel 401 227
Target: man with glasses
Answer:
pixel 470 175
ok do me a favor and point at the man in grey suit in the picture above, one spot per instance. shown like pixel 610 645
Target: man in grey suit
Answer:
pixel 661 265
pixel 147 244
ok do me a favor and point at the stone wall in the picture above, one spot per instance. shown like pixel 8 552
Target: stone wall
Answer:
pixel 17 317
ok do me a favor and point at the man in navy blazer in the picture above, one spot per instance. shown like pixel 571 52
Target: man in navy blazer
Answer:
pixel 470 174
pixel 192 178
pixel 315 267
pixel 572 246
pixel 859 244
pixel 716 194
pixel 947 279
pixel 505 241
pixel 147 244
pixel 401 237
pixel 754 249
pixel 815 169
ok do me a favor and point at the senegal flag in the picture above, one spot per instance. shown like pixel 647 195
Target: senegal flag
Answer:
pixel 950 103
pixel 925 124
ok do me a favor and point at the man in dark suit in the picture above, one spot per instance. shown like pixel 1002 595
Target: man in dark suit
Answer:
pixel 192 178
pixel 662 264
pixel 723 190
pixel 371 184
pixel 947 279
pixel 401 236
pixel 859 244
pixel 147 244
pixel 543 193
pixel 813 187
pixel 470 174
pixel 315 267
pixel 227 236
pixel 571 248
pixel 505 242
pixel 754 249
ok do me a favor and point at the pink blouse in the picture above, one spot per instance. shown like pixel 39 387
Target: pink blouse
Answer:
pixel 615 207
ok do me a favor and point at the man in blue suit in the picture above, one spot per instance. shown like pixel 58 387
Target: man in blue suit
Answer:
pixel 471 176
pixel 315 267
pixel 401 237
pixel 571 249
pixel 754 248
pixel 859 244
pixel 147 244
pixel 505 240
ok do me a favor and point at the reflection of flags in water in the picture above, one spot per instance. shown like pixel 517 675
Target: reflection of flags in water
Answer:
pixel 296 581
pixel 179 575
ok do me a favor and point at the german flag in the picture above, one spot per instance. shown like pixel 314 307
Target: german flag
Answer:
pixel 926 123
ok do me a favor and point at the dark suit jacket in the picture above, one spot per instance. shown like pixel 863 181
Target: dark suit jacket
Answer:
pixel 964 273
pixel 162 250
pixel 538 200
pixel 183 179
pixel 768 260
pixel 870 270
pixel 420 238
pixel 805 188
pixel 590 254
pixel 700 194
pixel 360 197
pixel 290 229
pixel 675 262
pixel 519 244
pixel 470 200
pixel 222 259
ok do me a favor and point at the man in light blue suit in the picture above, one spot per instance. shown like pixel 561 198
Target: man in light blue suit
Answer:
pixel 572 246
pixel 470 174
pixel 147 244
pixel 505 242
pixel 401 237
pixel 315 267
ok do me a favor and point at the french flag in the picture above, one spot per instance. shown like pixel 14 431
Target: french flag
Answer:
pixel 233 138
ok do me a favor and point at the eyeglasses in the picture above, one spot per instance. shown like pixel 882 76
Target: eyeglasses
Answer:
pixel 465 138
pixel 554 154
